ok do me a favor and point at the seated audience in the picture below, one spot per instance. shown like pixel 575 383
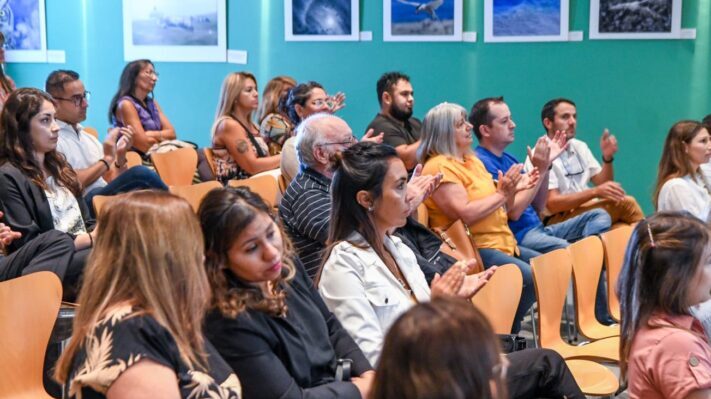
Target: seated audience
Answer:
pixel 400 129
pixel 39 190
pixel 456 356
pixel 305 209
pixel 681 185
pixel 239 150
pixel 133 105
pixel 7 85
pixel 274 124
pixel 101 169
pixel 468 193
pixel 706 167
pixel 370 277
pixel 138 327
pixel 664 352
pixel 494 128
pixel 267 319
pixel 568 191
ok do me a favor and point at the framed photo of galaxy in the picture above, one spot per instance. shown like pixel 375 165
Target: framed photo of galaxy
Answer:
pixel 165 30
pixel 23 24
pixel 321 20
pixel 422 20
pixel 526 20
pixel 638 19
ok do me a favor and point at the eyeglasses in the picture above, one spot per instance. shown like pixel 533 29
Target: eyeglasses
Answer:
pixel 572 165
pixel 77 99
pixel 320 102
pixel 351 140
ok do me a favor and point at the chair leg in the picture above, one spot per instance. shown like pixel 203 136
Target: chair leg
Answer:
pixel 533 325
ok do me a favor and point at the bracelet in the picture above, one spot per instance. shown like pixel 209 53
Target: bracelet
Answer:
pixel 119 166
pixel 608 160
pixel 105 164
pixel 91 241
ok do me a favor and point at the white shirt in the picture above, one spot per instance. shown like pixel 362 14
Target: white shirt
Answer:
pixel 81 149
pixel 364 295
pixel 706 171
pixel 686 194
pixel 572 170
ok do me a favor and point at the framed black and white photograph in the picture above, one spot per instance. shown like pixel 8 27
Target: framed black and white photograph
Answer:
pixel 22 22
pixel 526 20
pixel 420 21
pixel 321 20
pixel 635 19
pixel 184 31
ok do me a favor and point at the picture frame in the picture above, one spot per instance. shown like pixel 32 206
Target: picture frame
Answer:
pixel 321 20
pixel 185 31
pixel 526 21
pixel 24 24
pixel 422 20
pixel 647 19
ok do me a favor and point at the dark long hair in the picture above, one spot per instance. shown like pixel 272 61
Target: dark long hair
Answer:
pixel 675 161
pixel 127 83
pixel 16 141
pixel 224 214
pixel 361 167
pixel 440 349
pixel 299 95
pixel 662 259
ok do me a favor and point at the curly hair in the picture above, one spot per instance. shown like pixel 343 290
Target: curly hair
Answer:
pixel 224 214
pixel 16 145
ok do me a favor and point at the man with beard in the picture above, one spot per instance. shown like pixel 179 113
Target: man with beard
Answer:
pixel 401 130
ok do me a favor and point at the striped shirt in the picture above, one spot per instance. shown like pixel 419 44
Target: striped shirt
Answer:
pixel 305 212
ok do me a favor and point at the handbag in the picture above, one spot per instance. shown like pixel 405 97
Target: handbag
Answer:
pixel 512 343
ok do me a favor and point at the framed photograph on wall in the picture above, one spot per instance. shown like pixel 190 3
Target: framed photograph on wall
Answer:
pixel 184 31
pixel 24 26
pixel 526 20
pixel 420 21
pixel 321 20
pixel 638 19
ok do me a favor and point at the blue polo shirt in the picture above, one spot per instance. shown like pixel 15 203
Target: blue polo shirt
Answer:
pixel 529 218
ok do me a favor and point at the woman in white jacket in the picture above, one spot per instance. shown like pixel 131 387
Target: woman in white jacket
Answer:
pixel 680 184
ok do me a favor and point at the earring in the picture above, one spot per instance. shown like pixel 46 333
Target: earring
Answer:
pixel 371 209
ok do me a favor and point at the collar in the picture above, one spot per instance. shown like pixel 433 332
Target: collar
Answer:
pixel 487 151
pixel 318 177
pixel 65 126
pixel 686 322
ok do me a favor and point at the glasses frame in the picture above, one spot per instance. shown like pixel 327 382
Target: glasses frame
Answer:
pixel 350 141
pixel 77 99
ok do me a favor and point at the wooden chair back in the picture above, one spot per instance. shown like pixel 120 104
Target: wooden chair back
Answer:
pixel 458 238
pixel 423 215
pixel 133 159
pixel 92 131
pixel 28 309
pixel 615 244
pixel 210 157
pixel 99 201
pixel 498 299
pixel 195 193
pixel 551 275
pixel 177 167
pixel 265 186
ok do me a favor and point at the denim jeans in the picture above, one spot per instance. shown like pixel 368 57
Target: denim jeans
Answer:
pixel 494 257
pixel 135 178
pixel 555 236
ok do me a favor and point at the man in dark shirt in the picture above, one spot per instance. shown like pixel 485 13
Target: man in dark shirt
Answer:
pixel 395 120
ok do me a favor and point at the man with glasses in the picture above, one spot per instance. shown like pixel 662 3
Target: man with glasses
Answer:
pixel 494 128
pixel 101 169
pixel 401 130
pixel 569 193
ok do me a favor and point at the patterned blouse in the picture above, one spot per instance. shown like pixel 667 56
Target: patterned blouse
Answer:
pixel 66 213
pixel 226 167
pixel 123 338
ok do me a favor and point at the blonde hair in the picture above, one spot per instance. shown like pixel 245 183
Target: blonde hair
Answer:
pixel 270 96
pixel 149 254
pixel 229 93
pixel 438 131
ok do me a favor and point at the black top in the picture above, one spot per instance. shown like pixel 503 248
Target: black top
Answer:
pixel 124 338
pixel 426 247
pixel 395 133
pixel 288 357
pixel 26 207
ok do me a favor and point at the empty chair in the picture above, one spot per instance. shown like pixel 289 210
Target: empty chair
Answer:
pixel 195 193
pixel 587 255
pixel 594 379
pixel 551 276
pixel 28 309
pixel 498 301
pixel 615 243
pixel 177 167
pixel 263 185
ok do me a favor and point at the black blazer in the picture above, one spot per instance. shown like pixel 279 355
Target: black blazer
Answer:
pixel 26 207
pixel 288 357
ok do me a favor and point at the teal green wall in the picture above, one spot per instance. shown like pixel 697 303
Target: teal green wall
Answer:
pixel 637 89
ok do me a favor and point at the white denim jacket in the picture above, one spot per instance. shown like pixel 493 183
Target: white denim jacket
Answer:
pixel 364 295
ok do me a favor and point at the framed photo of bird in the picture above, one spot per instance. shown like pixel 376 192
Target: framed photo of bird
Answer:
pixel 422 20
pixel 526 20
pixel 635 19
pixel 321 20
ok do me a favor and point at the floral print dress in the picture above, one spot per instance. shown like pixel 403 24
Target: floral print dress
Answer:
pixel 126 337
